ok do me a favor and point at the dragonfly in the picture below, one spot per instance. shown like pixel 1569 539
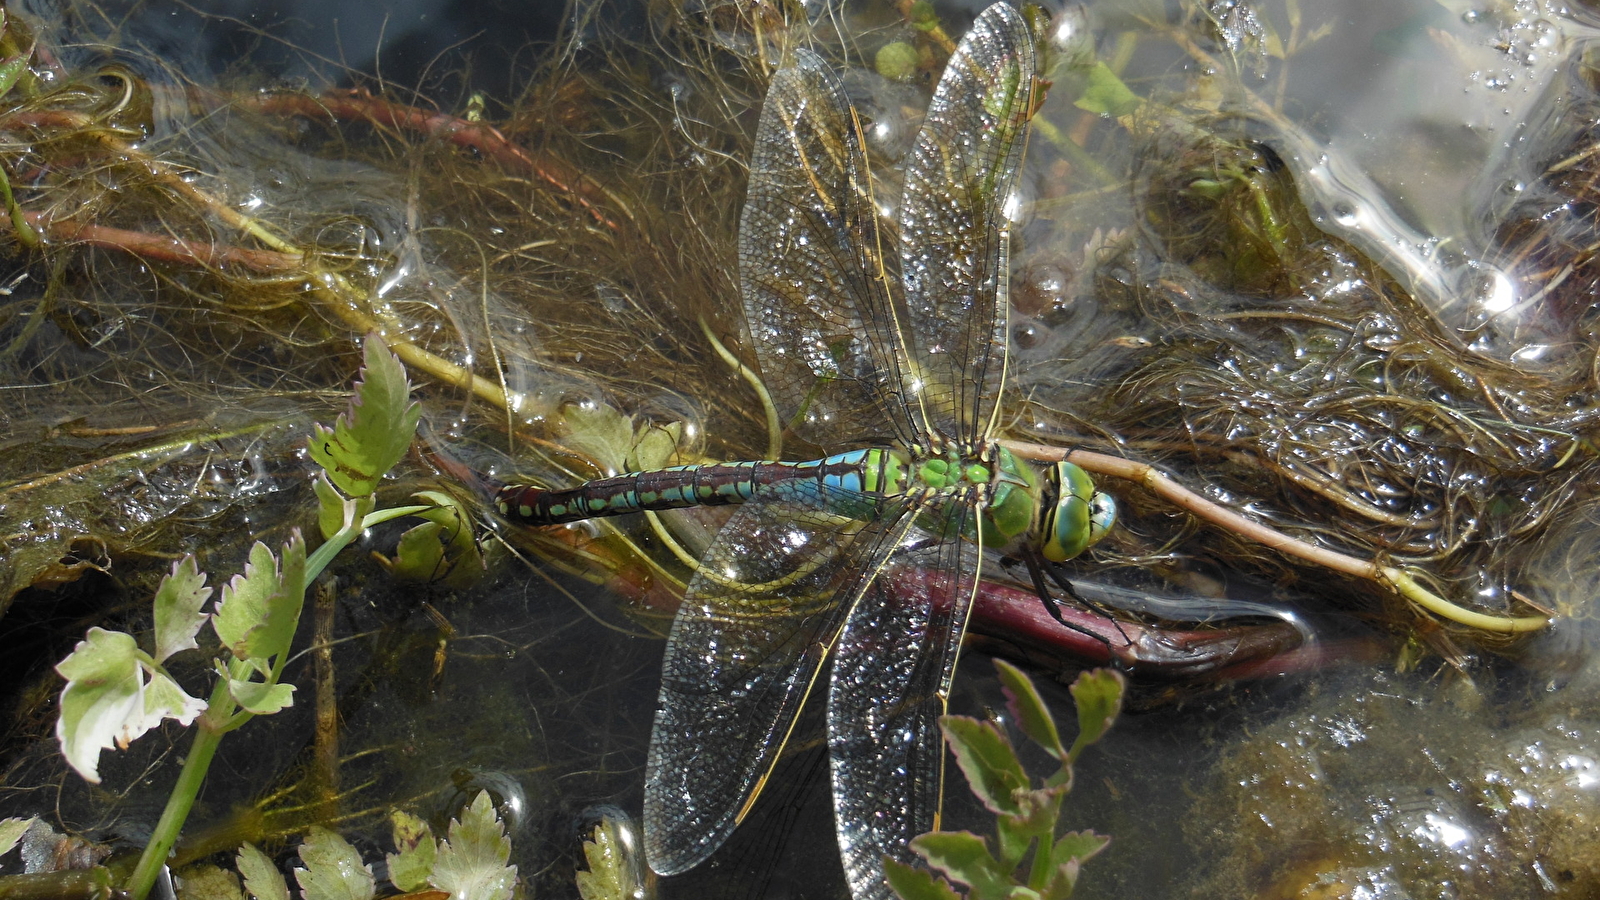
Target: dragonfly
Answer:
pixel 852 574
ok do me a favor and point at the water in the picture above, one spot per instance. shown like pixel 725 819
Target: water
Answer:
pixel 1348 291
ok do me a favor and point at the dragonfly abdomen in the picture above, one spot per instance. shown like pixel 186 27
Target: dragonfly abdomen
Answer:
pixel 677 487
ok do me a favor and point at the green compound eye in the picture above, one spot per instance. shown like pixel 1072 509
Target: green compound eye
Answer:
pixel 1081 516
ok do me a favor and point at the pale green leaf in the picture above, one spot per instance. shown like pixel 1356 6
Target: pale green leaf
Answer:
pixel 177 608
pixel 333 869
pixel 911 883
pixel 439 551
pixel 261 878
pixel 409 869
pixel 259 610
pixel 472 861
pixel 419 556
pixel 1098 693
pixel 106 703
pixel 370 437
pixel 334 510
pixel 1033 717
pixel 11 831
pixel 965 859
pixel 208 882
pixel 654 446
pixel 607 871
pixel 987 759
pixel 599 432
pixel 259 697
pixel 1105 94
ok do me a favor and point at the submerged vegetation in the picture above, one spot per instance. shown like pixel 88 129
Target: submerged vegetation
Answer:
pixel 1202 284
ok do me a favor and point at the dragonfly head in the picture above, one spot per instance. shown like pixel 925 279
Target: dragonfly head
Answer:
pixel 1079 517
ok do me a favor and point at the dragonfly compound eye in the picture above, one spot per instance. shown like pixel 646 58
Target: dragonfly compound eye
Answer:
pixel 1080 517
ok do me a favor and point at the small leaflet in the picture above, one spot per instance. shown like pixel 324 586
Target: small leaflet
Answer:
pixel 375 432
pixel 177 608
pixel 11 831
pixel 409 869
pixel 472 860
pixel 207 882
pixel 261 878
pixel 108 702
pixel 333 869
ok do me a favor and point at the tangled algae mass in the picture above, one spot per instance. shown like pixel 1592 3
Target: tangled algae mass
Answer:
pixel 1332 272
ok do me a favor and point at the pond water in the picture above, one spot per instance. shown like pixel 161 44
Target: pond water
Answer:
pixel 1329 265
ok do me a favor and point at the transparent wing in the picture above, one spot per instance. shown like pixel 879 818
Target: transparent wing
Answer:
pixel 954 239
pixel 891 675
pixel 758 619
pixel 810 268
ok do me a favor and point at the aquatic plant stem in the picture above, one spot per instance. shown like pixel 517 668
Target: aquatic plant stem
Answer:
pixel 1162 485
pixel 212 725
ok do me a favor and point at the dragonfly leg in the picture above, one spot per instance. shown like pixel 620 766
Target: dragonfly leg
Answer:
pixel 1036 570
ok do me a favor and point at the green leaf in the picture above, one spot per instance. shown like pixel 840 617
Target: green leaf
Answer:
pixel 334 511
pixel 965 859
pixel 911 883
pixel 261 878
pixel 259 610
pixel 607 870
pixel 177 608
pixel 1067 858
pixel 654 446
pixel 1098 693
pixel 373 435
pixel 261 698
pixel 987 759
pixel 439 551
pixel 107 702
pixel 1032 716
pixel 11 831
pixel 472 860
pixel 597 431
pixel 1104 93
pixel 333 869
pixel 409 869
pixel 208 882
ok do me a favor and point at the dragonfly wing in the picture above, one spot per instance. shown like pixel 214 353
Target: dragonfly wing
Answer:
pixel 954 236
pixel 891 677
pixel 811 270
pixel 757 620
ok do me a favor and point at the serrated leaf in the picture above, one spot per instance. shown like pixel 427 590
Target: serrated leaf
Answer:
pixel 207 882
pixel 258 611
pixel 599 432
pixel 11 831
pixel 259 697
pixel 333 869
pixel 1032 716
pixel 607 872
pixel 373 435
pixel 1105 94
pixel 911 883
pixel 987 759
pixel 1098 694
pixel 107 701
pixel 177 608
pixel 439 551
pixel 261 878
pixel 965 859
pixel 1067 858
pixel 471 864
pixel 409 869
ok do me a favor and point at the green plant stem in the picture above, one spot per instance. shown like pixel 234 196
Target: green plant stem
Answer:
pixel 212 725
